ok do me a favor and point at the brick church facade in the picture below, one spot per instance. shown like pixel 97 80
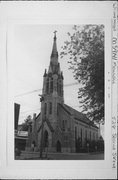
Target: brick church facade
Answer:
pixel 58 126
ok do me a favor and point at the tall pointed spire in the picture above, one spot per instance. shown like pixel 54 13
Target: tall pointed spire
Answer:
pixel 54 48
pixel 54 66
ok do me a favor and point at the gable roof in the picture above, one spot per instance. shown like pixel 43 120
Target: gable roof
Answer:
pixel 64 108
pixel 38 116
pixel 77 115
pixel 49 125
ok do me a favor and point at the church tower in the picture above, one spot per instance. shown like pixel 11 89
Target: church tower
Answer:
pixel 52 92
pixel 58 127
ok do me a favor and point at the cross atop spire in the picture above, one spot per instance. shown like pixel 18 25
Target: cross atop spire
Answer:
pixel 55 33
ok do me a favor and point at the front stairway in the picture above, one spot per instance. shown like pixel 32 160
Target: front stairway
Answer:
pixel 25 155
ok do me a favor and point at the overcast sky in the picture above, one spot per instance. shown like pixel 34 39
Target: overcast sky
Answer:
pixel 32 50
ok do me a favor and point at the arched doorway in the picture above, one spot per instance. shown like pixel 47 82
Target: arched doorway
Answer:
pixel 58 146
pixel 45 139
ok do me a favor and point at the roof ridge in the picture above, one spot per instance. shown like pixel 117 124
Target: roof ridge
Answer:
pixel 63 106
pixel 77 111
pixel 83 117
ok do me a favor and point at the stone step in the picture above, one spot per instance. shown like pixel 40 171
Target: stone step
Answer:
pixel 31 155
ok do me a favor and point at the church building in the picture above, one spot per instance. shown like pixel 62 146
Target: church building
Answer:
pixel 58 126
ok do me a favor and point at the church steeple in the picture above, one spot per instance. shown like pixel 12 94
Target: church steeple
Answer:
pixel 54 67
pixel 52 87
pixel 53 79
pixel 54 54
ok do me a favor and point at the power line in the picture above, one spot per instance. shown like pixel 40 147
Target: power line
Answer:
pixel 29 92
pixel 23 112
pixel 71 84
pixel 37 90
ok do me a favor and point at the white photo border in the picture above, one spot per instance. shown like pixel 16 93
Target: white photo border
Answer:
pixel 53 169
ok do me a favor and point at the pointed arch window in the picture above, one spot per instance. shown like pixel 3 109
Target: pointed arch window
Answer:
pixel 66 124
pixel 86 134
pixel 57 108
pixel 63 125
pixel 59 87
pixel 75 132
pixel 45 108
pixel 81 136
pixel 47 86
pixel 50 108
pixel 51 85
pixel 90 135
pixel 93 136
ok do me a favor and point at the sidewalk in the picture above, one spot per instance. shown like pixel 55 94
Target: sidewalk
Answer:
pixel 61 156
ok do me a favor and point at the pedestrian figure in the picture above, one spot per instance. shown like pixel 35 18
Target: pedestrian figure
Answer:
pixel 17 152
pixel 33 145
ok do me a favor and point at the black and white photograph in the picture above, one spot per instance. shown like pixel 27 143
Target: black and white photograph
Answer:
pixel 59 92
pixel 58 69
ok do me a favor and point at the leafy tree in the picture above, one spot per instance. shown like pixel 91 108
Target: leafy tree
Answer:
pixel 27 122
pixel 85 50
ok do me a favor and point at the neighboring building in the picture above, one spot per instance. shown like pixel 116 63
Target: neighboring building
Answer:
pixel 16 115
pixel 62 128
pixel 20 137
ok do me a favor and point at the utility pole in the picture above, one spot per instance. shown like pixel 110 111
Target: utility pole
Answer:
pixel 42 119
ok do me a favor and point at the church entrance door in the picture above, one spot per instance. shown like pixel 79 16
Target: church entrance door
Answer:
pixel 58 146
